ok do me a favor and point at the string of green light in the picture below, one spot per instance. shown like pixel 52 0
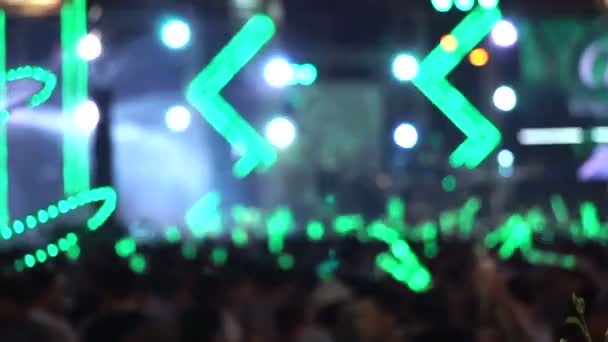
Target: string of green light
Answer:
pixel 76 173
pixel 46 77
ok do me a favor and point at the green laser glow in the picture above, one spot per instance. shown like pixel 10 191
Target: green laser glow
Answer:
pixel 46 77
pixel 204 95
pixel 482 136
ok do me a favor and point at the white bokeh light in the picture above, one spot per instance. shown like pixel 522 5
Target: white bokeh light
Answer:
pixel 176 34
pixel 505 98
pixel 405 67
pixel 90 47
pixel 87 116
pixel 405 136
pixel 279 73
pixel 504 34
pixel 505 159
pixel 280 132
pixel 178 118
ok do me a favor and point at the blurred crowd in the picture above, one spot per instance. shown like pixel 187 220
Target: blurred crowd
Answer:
pixel 474 297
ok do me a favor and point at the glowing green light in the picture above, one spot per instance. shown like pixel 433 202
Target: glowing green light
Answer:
pixel 204 94
pixel 306 74
pixel 18 227
pixel 286 261
pixel 449 183
pixel 482 136
pixel 138 263
pixel 46 77
pixel 7 233
pixel 52 250
pixel 41 256
pixel 240 237
pixel 73 253
pixel 173 235
pixel 43 216
pixel 315 230
pixel 30 261
pixel 125 247
pixel 63 244
pixel 75 79
pixel 219 256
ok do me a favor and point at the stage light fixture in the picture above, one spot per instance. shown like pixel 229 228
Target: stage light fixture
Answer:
pixel 280 132
pixel 449 43
pixel 488 4
pixel 178 118
pixel 87 116
pixel 504 34
pixel 505 98
pixel 279 73
pixel 505 159
pixel 405 136
pixel 464 5
pixel 176 34
pixel 442 5
pixel 479 57
pixel 90 47
pixel 405 67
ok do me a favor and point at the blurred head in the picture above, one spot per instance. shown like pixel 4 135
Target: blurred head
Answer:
pixel 376 318
pixel 201 324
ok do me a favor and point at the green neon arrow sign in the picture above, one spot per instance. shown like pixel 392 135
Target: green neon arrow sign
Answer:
pixel 482 136
pixel 204 95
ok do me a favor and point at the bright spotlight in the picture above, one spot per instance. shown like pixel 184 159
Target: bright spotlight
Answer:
pixel 405 136
pixel 488 4
pixel 89 47
pixel 505 98
pixel 279 73
pixel 87 116
pixel 506 159
pixel 177 118
pixel 442 5
pixel 464 5
pixel 176 34
pixel 504 34
pixel 280 132
pixel 405 67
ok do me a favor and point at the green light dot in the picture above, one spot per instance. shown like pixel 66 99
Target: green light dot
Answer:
pixel 449 183
pixel 420 280
pixel 442 5
pixel 18 227
pixel 19 265
pixel 189 251
pixel 31 222
pixel 41 256
pixel 138 263
pixel 7 233
pixel 52 250
pixel 53 211
pixel 125 247
pixel 72 202
pixel 63 244
pixel 29 260
pixel 71 238
pixel 315 230
pixel 286 261
pixel 73 252
pixel 219 256
pixel 307 74
pixel 63 206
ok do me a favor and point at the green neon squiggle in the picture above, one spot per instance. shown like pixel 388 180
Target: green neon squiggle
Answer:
pixel 106 195
pixel 39 74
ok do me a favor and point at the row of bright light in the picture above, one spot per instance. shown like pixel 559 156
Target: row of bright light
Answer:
pixel 462 5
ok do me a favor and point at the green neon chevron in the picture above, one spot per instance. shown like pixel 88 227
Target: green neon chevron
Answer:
pixel 204 94
pixel 482 136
